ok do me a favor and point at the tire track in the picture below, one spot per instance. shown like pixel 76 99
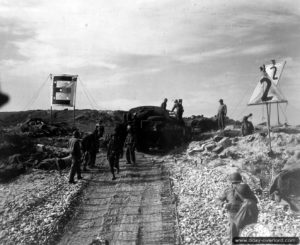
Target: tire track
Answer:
pixel 135 209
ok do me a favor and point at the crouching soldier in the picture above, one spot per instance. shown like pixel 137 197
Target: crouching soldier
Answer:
pixel 247 126
pixel 114 151
pixel 75 152
pixel 233 202
pixel 248 212
pixel 130 146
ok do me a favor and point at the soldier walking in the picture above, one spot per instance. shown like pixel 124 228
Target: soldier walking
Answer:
pixel 75 152
pixel 89 147
pixel 130 146
pixel 114 152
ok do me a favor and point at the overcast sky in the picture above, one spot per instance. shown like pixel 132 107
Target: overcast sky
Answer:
pixel 129 53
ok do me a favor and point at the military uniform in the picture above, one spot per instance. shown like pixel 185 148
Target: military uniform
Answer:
pixel 90 145
pixel 179 111
pixel 114 151
pixel 175 107
pixel 75 152
pixel 234 203
pixel 247 127
pixel 164 105
pixel 222 112
pixel 248 212
pixel 130 148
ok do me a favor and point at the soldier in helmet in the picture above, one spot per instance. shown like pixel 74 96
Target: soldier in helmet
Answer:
pixel 75 152
pixel 130 146
pixel 232 201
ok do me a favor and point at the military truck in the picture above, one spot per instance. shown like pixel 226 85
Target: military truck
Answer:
pixel 155 129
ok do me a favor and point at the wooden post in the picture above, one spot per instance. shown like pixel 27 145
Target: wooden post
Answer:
pixel 278 122
pixel 51 114
pixel 74 116
pixel 270 107
pixel 268 115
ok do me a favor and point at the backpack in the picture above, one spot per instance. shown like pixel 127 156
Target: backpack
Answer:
pixel 247 214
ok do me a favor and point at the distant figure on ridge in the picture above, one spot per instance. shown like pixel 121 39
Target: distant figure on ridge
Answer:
pixel 222 112
pixel 164 104
pixel 175 108
pixel 180 110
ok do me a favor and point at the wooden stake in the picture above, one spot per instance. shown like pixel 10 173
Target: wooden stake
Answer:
pixel 74 116
pixel 268 115
pixel 51 114
pixel 278 122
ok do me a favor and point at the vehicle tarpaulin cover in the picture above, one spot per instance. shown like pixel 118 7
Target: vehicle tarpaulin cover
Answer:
pixel 64 90
pixel 287 185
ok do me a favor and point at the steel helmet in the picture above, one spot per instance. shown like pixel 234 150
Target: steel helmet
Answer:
pixel 235 177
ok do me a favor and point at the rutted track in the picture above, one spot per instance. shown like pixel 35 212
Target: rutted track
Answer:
pixel 135 209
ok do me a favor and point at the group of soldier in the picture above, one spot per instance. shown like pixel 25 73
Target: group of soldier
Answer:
pixel 178 111
pixel 85 150
pixel 240 201
pixel 115 149
pixel 247 126
pixel 177 108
